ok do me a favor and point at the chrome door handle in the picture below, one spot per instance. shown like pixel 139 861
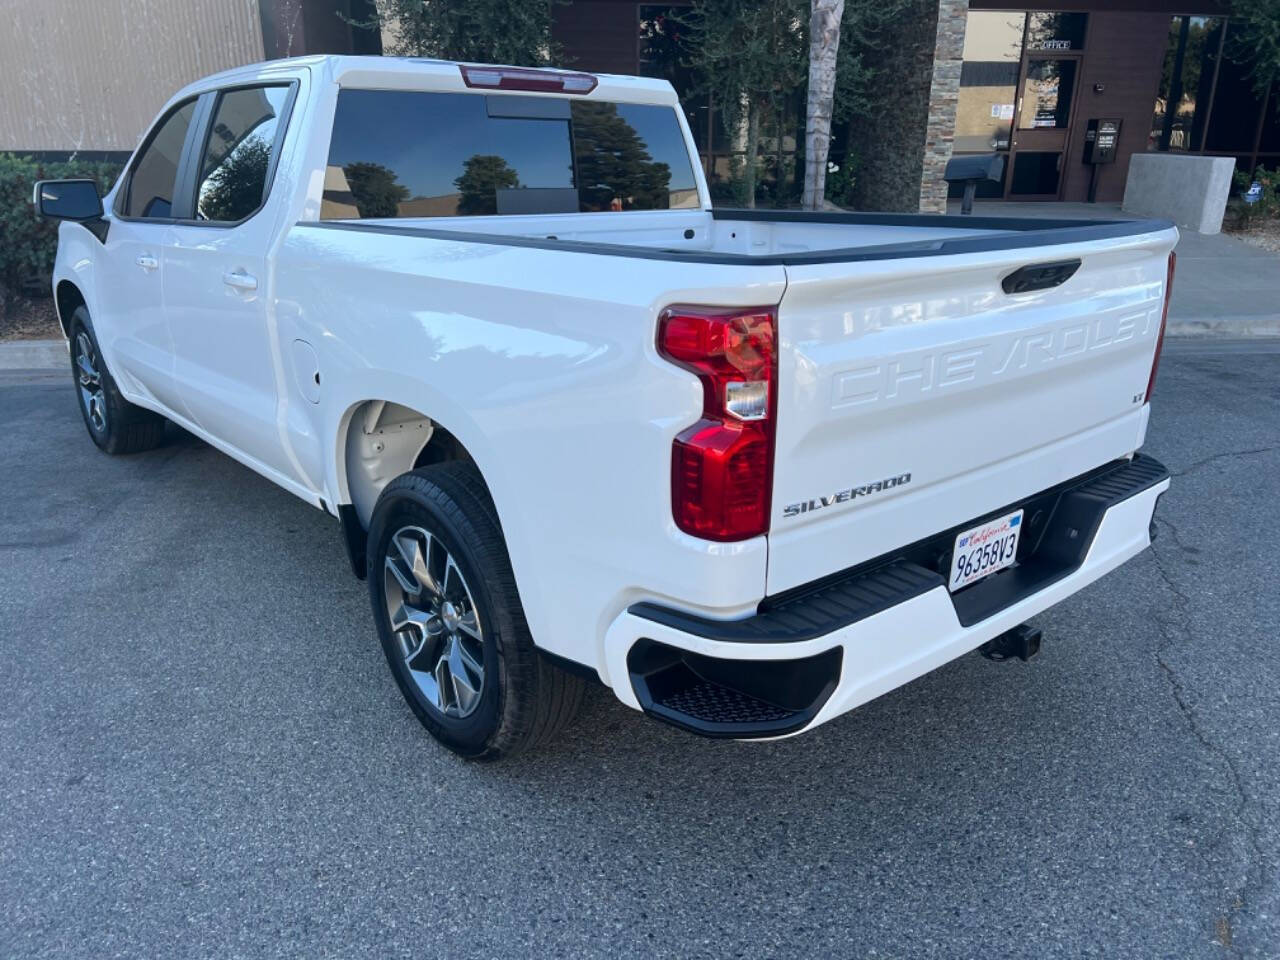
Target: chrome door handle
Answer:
pixel 147 262
pixel 240 280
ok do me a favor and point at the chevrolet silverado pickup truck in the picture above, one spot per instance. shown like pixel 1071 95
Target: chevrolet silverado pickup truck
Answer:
pixel 748 469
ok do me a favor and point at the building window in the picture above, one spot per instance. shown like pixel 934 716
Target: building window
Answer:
pixel 988 81
pixel 1207 102
pixel 1047 94
pixel 989 86
pixel 1186 81
pixel 662 53
pixel 1036 173
pixel 1232 127
pixel 1056 32
pixel 1269 143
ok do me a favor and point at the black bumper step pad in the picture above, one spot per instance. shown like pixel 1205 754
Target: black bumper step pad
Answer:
pixel 712 703
pixel 828 607
pixel 716 697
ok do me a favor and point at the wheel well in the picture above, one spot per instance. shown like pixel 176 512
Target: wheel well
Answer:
pixel 441 448
pixel 385 440
pixel 66 298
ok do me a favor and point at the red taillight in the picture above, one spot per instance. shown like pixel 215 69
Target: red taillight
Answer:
pixel 524 78
pixel 1164 319
pixel 722 466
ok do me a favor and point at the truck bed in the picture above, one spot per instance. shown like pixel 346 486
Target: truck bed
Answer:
pixel 903 351
pixel 773 237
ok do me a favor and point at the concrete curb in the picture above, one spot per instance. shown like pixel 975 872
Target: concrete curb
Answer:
pixel 52 354
pixel 1232 327
pixel 33 354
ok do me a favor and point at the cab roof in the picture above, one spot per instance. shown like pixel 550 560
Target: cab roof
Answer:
pixel 420 73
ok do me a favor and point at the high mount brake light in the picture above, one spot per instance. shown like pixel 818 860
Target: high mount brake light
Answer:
pixel 722 466
pixel 1164 319
pixel 523 78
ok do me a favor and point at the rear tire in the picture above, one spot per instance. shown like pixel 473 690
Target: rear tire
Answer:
pixel 114 424
pixel 450 619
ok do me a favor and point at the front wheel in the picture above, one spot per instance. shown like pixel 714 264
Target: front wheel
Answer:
pixel 114 424
pixel 450 620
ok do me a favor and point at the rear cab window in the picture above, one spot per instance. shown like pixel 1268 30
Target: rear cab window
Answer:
pixel 418 154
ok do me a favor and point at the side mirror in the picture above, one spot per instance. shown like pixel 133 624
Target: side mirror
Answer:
pixel 67 199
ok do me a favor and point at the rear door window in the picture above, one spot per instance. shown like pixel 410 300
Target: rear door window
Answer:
pixel 410 154
pixel 239 154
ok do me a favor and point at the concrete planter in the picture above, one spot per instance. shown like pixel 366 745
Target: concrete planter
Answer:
pixel 1191 191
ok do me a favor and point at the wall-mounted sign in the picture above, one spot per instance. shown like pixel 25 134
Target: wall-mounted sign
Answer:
pixel 1050 44
pixel 1002 111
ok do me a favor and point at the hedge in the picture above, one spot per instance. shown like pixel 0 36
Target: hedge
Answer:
pixel 28 243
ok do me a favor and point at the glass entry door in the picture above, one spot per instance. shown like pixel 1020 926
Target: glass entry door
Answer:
pixel 1040 128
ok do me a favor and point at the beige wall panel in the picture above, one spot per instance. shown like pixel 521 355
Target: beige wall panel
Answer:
pixel 92 74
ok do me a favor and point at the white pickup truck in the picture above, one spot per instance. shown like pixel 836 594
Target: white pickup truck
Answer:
pixel 749 469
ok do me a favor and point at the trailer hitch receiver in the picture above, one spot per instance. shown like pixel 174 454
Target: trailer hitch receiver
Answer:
pixel 1023 642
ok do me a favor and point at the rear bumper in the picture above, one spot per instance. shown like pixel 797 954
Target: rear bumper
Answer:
pixel 821 650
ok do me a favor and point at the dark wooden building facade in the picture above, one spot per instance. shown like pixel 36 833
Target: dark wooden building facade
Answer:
pixel 1033 76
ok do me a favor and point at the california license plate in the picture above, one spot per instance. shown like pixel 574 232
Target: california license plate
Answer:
pixel 982 550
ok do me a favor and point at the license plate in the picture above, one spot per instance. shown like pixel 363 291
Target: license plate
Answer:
pixel 984 549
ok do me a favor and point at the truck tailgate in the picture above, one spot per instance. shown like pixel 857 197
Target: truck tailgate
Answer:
pixel 916 394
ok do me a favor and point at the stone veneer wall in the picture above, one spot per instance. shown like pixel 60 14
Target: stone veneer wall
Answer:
pixel 943 96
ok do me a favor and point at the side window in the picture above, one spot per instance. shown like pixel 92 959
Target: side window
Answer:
pixel 150 187
pixel 409 154
pixel 237 157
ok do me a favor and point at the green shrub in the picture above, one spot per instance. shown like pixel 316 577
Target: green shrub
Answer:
pixel 28 243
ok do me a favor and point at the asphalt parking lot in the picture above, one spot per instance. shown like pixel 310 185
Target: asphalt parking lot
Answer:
pixel 202 752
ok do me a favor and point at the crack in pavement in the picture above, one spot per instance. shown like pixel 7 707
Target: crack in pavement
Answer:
pixel 1253 867
pixel 1221 456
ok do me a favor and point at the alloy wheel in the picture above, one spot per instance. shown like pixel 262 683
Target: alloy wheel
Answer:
pixel 434 619
pixel 89 379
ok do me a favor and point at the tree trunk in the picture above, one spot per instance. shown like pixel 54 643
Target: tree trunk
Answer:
pixel 749 155
pixel 779 160
pixel 824 44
